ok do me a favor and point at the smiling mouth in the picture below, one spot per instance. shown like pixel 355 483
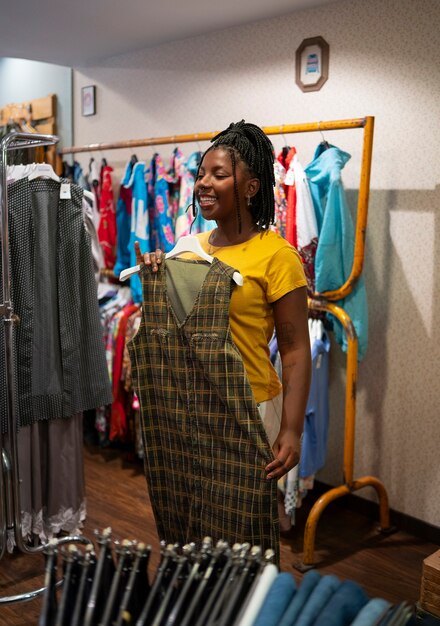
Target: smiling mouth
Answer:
pixel 207 201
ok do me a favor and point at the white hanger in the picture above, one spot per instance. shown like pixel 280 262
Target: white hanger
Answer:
pixel 184 244
pixel 89 194
pixel 43 169
pixel 189 243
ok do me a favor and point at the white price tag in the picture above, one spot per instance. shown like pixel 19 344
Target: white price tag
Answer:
pixel 65 191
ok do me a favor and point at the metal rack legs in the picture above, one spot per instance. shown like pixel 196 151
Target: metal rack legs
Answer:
pixel 350 485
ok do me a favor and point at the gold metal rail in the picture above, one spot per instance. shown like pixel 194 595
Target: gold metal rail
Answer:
pixel 349 485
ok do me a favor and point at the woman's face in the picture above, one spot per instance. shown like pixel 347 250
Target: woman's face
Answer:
pixel 214 186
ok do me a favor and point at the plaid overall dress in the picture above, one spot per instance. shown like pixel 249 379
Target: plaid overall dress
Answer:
pixel 204 441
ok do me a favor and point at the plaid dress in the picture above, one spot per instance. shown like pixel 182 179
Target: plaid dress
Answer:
pixel 204 440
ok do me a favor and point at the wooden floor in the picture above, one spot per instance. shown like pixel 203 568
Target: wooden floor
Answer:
pixel 347 543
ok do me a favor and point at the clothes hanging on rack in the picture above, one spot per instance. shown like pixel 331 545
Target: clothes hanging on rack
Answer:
pixel 123 220
pixel 107 222
pixel 182 373
pixel 184 215
pixel 335 251
pixel 113 300
pixel 160 215
pixel 314 442
pixel 140 223
pixel 119 422
pixel 60 361
pixel 175 174
pixel 91 222
pixel 52 483
pixel 299 480
pixel 280 199
pixel 306 227
pixel 286 158
pixel 60 358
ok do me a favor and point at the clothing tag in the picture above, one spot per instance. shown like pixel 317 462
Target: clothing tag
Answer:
pixel 42 168
pixel 290 177
pixel 318 361
pixel 65 191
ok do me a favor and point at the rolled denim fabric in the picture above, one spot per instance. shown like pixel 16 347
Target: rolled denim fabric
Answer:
pixel 343 606
pixel 317 600
pixel 372 612
pixel 308 584
pixel 277 600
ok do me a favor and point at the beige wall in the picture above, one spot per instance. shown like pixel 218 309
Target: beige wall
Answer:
pixel 384 61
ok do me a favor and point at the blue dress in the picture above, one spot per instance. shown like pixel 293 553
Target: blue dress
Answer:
pixel 161 219
pixel 335 252
pixel 123 224
pixel 140 228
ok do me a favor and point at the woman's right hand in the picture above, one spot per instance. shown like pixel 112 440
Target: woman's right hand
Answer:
pixel 149 258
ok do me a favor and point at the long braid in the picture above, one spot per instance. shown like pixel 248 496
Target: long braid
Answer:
pixel 248 143
pixel 236 194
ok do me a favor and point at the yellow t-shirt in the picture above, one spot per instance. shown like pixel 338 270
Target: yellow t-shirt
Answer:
pixel 271 267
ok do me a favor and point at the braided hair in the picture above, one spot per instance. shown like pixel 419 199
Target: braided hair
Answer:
pixel 249 144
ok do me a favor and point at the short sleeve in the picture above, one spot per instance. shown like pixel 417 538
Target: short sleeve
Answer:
pixel 284 273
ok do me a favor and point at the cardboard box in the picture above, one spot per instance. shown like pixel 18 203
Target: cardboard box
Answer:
pixel 430 586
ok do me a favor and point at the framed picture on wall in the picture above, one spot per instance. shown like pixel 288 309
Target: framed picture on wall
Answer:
pixel 88 100
pixel 312 62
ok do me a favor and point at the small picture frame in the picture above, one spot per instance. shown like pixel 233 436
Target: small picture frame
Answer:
pixel 88 100
pixel 312 63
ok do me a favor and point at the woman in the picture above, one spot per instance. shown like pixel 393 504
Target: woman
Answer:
pixel 234 187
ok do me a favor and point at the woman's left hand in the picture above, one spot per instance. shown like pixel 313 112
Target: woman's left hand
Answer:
pixel 287 451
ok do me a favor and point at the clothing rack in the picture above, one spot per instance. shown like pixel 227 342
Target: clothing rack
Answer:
pixel 319 301
pixel 10 510
pixel 210 584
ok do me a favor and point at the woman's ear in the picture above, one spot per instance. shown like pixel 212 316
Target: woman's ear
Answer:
pixel 252 187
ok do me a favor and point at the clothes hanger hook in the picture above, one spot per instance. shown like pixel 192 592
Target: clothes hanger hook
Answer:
pixel 283 135
pixel 321 133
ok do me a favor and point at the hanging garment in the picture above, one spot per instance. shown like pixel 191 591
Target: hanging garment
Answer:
pixel 78 176
pixel 335 252
pixel 52 484
pixel 91 222
pixel 123 221
pixel 90 212
pixel 280 199
pixel 161 222
pixel 118 424
pixel 107 223
pixel 93 179
pixel 314 441
pixel 205 444
pixel 184 214
pixel 174 176
pixel 59 347
pixel 140 227
pixel 290 190
pixel 306 226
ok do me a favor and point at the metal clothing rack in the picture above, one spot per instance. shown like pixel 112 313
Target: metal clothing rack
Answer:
pixel 319 301
pixel 10 510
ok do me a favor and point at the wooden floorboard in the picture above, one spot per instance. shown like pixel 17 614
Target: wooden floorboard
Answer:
pixel 347 543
